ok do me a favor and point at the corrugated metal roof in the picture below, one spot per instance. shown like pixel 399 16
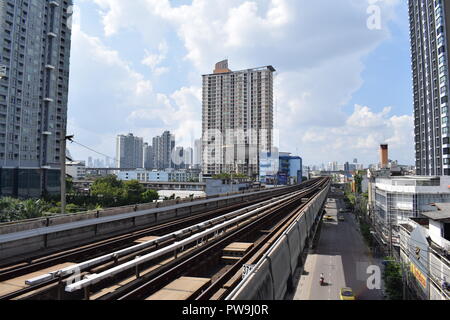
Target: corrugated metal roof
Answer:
pixel 443 212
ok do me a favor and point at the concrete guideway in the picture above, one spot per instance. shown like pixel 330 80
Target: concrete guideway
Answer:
pixel 84 223
pixel 273 274
pixel 21 245
pixel 342 256
pixel 44 275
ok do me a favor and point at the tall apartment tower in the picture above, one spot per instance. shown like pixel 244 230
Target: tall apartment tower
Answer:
pixel 429 25
pixel 148 157
pixel 130 152
pixel 197 153
pixel 34 78
pixel 188 157
pixel 237 119
pixel 163 147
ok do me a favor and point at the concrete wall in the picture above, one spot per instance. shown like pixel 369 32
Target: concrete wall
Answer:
pixel 272 275
pixel 216 187
pixel 42 241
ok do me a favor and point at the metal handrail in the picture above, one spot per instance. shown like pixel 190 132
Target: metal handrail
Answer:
pixel 87 264
pixel 95 278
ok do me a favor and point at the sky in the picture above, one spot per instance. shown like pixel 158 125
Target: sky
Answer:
pixel 341 88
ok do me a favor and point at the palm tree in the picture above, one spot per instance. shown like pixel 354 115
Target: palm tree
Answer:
pixel 31 209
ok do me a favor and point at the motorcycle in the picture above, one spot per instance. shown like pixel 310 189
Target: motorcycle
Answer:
pixel 322 281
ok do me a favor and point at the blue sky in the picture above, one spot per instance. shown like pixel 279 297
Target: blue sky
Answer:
pixel 341 89
pixel 387 78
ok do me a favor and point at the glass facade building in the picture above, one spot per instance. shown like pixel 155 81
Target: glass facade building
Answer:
pixel 429 27
pixel 35 37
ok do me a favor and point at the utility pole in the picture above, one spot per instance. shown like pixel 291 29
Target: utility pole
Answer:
pixel 403 278
pixel 63 171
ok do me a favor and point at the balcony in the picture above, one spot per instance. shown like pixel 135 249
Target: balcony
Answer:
pixel 2 71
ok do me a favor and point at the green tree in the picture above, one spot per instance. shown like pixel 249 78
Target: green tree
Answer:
pixel 12 209
pixel 73 208
pixel 109 190
pixel 393 279
pixel 149 196
pixel 69 185
pixel 358 181
pixel 9 209
pixel 31 209
pixel 133 191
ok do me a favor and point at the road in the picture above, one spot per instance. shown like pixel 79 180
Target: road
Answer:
pixel 342 256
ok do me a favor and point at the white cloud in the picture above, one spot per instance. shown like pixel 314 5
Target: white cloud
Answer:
pixel 360 134
pixel 154 60
pixel 317 47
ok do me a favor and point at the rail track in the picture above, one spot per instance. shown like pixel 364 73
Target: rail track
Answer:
pixel 53 287
pixel 225 278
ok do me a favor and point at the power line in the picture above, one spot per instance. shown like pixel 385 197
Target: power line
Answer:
pixel 100 153
pixel 90 149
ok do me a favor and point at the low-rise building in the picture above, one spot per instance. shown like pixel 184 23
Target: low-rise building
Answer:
pixel 394 200
pixel 280 169
pixel 160 176
pixel 425 253
pixel 76 169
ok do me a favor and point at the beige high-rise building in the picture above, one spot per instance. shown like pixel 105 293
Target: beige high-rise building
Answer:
pixel 237 119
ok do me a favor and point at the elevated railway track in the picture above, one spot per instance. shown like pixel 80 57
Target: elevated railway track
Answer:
pixel 186 258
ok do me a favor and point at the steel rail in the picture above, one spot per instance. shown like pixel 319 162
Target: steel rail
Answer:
pixel 263 257
pixel 117 254
pixel 131 291
pixel 95 278
pixel 91 249
pixel 46 260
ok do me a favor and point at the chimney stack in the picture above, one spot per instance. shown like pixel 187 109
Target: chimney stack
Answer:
pixel 384 153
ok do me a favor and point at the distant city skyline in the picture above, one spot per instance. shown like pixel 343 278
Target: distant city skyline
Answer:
pixel 151 82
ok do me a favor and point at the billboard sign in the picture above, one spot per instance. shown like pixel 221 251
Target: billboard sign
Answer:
pixel 418 249
pixel 420 277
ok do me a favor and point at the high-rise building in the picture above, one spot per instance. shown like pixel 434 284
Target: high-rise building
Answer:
pixel 34 66
pixel 198 153
pixel 163 147
pixel 129 151
pixel 188 157
pixel 429 24
pixel 148 157
pixel 178 158
pixel 237 119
